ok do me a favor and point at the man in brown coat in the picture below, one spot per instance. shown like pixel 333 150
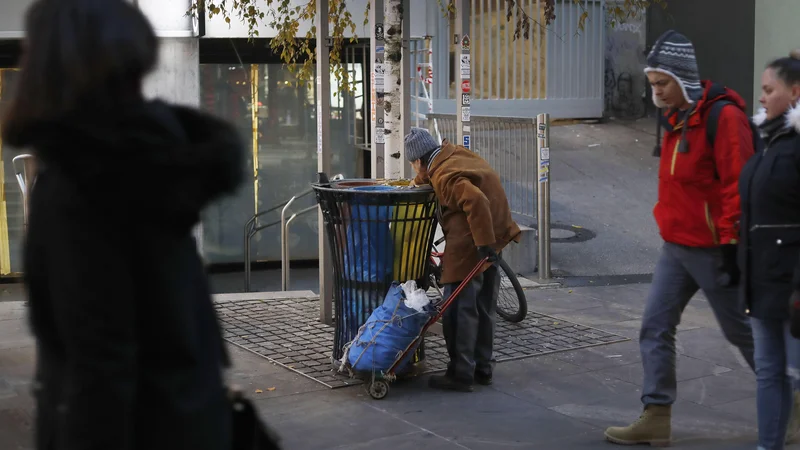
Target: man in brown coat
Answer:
pixel 477 223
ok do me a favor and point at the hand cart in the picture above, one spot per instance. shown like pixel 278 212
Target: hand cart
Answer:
pixel 377 385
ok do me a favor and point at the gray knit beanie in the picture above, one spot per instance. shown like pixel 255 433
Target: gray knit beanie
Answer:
pixel 673 55
pixel 419 143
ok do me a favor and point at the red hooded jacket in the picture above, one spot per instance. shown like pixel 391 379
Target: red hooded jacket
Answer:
pixel 698 196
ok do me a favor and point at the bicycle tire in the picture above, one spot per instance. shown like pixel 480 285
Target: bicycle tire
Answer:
pixel 509 314
pixel 515 315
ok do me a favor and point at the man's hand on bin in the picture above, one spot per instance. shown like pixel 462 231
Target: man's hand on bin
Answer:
pixel 487 252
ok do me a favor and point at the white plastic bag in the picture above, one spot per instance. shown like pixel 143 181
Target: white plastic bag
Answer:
pixel 416 299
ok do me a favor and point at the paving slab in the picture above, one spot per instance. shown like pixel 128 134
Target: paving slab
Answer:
pixel 688 368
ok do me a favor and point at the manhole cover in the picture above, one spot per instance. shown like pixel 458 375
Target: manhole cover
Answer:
pixel 558 233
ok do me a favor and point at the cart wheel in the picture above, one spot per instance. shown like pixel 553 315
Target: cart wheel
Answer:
pixel 378 389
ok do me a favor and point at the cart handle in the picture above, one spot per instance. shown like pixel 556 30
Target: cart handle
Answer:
pixel 438 315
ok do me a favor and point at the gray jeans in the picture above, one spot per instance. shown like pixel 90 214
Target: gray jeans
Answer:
pixel 468 326
pixel 680 273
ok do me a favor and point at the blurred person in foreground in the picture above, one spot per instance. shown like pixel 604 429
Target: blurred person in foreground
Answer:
pixel 130 354
pixel 477 223
pixel 770 250
pixel 697 213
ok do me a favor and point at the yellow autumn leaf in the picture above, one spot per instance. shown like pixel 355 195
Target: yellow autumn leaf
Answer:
pixel 259 391
pixel 271 389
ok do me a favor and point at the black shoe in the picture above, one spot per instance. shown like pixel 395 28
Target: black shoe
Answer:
pixel 483 379
pixel 446 383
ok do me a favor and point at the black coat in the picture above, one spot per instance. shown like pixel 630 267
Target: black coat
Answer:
pixel 769 186
pixel 130 352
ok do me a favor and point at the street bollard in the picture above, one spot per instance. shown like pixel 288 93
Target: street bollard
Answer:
pixel 543 194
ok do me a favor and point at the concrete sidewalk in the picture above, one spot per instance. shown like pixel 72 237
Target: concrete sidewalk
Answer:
pixel 559 401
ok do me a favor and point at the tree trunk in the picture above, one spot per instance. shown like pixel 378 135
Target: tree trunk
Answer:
pixel 393 99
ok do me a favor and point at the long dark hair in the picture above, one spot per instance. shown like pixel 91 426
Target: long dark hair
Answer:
pixel 787 69
pixel 79 54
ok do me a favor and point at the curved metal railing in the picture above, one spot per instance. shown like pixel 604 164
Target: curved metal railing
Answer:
pixel 251 228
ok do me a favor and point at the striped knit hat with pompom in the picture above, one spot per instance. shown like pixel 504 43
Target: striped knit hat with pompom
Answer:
pixel 673 55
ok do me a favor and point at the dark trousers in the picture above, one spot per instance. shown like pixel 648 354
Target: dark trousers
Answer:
pixel 469 325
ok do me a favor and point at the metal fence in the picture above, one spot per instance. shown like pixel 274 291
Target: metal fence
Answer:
pixel 558 69
pixel 508 144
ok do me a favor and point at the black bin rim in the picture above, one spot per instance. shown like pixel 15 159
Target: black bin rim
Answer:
pixel 425 189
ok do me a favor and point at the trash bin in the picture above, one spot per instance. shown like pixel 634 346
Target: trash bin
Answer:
pixel 378 233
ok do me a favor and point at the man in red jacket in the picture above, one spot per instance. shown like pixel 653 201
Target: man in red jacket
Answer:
pixel 697 213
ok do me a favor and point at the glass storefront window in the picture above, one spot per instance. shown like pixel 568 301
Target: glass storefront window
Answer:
pixel 277 119
pixel 11 211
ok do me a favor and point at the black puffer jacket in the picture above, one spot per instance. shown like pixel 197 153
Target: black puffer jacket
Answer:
pixel 769 186
pixel 129 349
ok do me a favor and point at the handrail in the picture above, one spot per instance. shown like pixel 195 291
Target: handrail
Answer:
pixel 285 261
pixel 251 228
pixel 26 178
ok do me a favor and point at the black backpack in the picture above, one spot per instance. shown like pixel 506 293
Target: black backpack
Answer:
pixel 713 121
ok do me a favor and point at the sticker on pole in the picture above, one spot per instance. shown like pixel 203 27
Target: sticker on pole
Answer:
pixel 465 116
pixel 465 43
pixel 465 66
pixel 466 87
pixel 380 138
pixel 465 99
pixel 380 76
pixel 544 153
pixel 379 31
pixel 544 171
pixel 466 141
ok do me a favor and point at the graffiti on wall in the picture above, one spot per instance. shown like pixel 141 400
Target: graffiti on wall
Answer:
pixel 625 82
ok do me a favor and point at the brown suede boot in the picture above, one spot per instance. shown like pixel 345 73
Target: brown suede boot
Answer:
pixel 653 427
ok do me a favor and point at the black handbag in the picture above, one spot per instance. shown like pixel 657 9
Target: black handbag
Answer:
pixel 248 431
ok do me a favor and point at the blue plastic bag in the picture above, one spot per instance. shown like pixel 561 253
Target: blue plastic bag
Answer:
pixel 387 332
pixel 369 249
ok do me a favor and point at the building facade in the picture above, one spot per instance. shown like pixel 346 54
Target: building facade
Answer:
pixel 214 65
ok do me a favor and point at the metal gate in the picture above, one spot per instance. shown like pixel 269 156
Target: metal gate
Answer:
pixel 558 70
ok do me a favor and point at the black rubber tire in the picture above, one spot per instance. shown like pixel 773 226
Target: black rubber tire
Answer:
pixel 378 389
pixel 518 315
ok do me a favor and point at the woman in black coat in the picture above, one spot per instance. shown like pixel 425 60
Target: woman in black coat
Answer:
pixel 130 354
pixel 770 258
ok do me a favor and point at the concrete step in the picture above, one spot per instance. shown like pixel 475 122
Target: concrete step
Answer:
pixel 522 256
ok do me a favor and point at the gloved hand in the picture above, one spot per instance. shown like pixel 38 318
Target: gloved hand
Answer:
pixel 729 266
pixel 487 252
pixel 794 314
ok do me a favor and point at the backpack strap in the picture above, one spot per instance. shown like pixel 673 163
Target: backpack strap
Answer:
pixel 712 120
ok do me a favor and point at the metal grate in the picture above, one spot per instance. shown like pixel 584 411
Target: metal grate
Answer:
pixel 286 332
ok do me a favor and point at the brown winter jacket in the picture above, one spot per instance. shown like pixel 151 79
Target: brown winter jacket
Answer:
pixel 474 209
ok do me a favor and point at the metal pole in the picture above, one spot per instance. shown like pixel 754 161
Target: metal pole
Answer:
pixel 543 194
pixel 464 64
pixel 324 157
pixel 377 50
